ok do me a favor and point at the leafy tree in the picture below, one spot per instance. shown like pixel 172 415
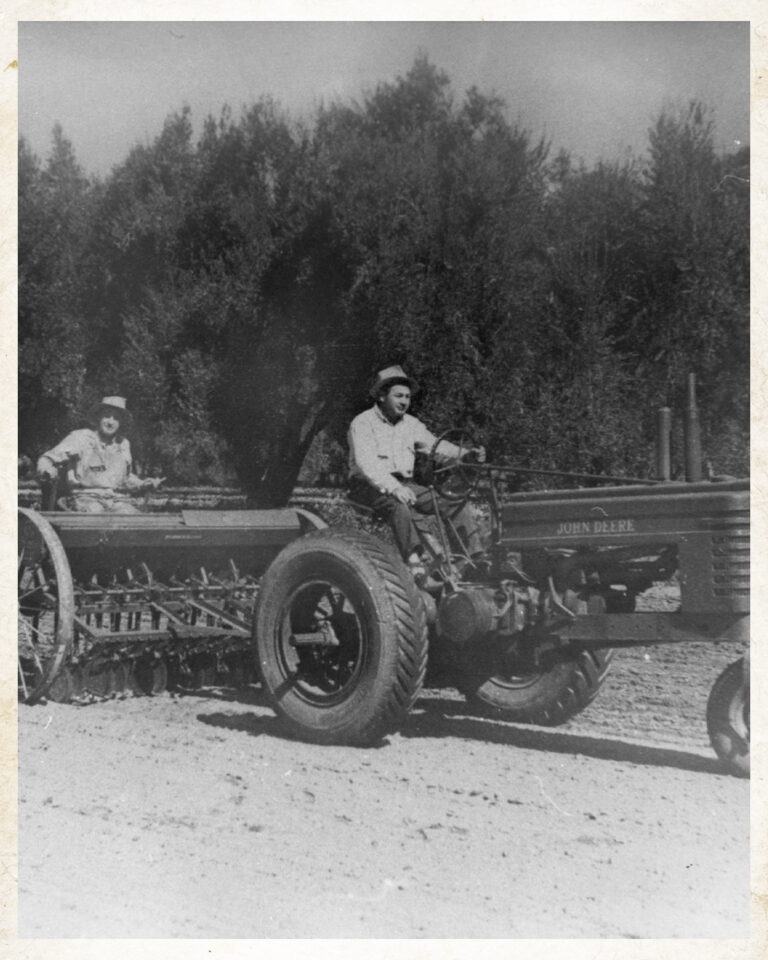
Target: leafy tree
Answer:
pixel 241 290
pixel 581 383
pixel 437 204
pixel 56 203
pixel 696 304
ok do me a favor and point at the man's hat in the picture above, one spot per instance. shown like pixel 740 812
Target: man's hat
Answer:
pixel 390 375
pixel 116 405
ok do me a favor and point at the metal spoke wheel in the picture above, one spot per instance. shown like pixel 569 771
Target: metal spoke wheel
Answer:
pixel 46 606
pixel 453 478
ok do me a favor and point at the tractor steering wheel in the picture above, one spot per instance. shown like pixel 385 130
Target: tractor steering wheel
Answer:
pixel 453 479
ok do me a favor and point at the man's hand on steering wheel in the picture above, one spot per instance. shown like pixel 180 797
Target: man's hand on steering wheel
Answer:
pixel 474 455
pixel 451 478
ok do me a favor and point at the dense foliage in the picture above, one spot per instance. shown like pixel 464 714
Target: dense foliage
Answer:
pixel 241 289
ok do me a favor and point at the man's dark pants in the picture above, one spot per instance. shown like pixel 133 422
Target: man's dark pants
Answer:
pixel 406 521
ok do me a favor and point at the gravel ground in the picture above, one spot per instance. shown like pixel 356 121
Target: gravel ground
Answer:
pixel 192 816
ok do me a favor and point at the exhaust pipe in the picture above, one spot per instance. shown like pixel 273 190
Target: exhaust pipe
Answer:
pixel 663 442
pixel 693 470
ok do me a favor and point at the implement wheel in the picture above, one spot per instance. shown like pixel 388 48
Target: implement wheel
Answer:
pixel 728 718
pixel 340 635
pixel 548 695
pixel 46 606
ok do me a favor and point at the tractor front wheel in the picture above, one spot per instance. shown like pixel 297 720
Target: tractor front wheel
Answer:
pixel 340 635
pixel 728 717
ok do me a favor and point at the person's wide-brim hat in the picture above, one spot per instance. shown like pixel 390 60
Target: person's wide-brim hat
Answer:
pixel 390 375
pixel 116 405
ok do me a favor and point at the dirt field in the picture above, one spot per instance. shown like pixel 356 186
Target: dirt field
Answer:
pixel 191 816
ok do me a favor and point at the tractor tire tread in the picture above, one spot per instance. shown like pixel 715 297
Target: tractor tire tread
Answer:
pixel 587 673
pixel 394 590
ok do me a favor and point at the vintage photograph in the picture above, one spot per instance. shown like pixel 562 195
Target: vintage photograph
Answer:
pixel 384 479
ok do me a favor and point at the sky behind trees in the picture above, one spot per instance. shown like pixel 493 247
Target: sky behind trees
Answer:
pixel 591 88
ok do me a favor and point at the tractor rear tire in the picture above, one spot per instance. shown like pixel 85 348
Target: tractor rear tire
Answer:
pixel 728 718
pixel 547 696
pixel 341 639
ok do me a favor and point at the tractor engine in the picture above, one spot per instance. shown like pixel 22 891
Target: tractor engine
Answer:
pixel 473 611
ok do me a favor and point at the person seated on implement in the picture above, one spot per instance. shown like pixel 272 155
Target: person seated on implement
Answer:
pixel 383 442
pixel 98 463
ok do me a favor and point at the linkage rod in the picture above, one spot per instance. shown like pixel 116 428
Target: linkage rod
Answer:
pixel 529 471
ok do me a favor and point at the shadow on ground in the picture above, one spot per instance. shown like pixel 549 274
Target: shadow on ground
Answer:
pixel 444 717
pixel 448 718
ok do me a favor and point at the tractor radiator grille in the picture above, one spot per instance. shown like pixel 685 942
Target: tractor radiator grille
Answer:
pixel 730 557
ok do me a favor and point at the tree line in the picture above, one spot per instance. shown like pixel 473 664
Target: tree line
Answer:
pixel 241 288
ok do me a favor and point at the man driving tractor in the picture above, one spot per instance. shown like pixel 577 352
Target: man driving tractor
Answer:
pixel 383 443
pixel 98 463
